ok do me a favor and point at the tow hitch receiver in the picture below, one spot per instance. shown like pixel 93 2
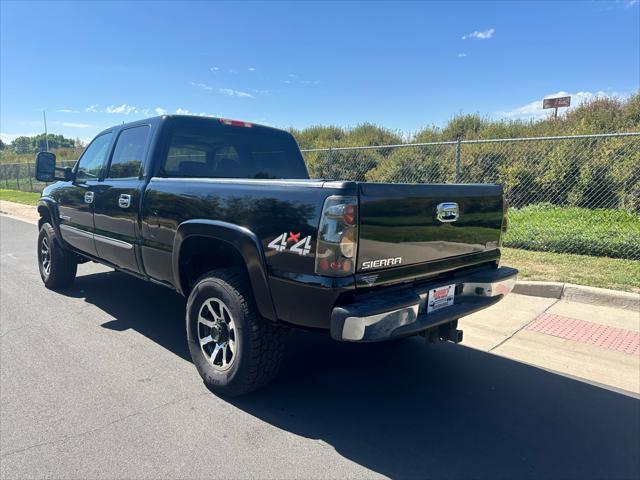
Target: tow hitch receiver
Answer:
pixel 447 332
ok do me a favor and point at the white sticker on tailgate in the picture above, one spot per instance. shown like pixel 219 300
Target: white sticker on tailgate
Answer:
pixel 440 297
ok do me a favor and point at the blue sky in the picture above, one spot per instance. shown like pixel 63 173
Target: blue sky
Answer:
pixel 400 65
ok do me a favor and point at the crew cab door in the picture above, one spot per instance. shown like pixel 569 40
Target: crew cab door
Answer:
pixel 76 200
pixel 117 200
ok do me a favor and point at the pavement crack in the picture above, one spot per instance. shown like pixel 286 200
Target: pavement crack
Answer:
pixel 502 342
pixel 102 427
pixel 2 335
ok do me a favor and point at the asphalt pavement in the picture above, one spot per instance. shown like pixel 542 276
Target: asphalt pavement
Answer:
pixel 96 382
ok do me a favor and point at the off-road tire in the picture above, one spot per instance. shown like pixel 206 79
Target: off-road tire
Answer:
pixel 260 343
pixel 63 264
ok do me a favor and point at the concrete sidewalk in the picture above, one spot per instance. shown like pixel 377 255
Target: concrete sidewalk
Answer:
pixel 596 343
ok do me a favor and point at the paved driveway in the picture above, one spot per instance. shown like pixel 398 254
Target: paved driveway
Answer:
pixel 96 382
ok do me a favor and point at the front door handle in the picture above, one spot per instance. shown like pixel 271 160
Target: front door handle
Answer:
pixel 124 201
pixel 88 197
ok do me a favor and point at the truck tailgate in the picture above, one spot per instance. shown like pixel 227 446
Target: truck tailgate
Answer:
pixel 399 223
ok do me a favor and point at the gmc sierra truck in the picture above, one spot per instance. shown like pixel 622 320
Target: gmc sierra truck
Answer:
pixel 223 212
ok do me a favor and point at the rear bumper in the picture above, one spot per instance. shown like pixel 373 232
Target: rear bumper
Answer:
pixel 401 313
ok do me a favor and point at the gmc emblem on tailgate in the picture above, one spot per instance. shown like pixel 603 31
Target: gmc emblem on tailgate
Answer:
pixel 447 212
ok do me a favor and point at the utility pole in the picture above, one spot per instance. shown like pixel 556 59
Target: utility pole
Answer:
pixel 46 136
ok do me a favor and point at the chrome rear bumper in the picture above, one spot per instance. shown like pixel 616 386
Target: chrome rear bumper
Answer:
pixel 401 313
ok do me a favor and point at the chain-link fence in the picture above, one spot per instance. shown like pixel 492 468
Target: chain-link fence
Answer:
pixel 21 176
pixel 575 194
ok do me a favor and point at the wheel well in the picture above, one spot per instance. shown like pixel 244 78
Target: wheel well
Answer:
pixel 199 255
pixel 45 216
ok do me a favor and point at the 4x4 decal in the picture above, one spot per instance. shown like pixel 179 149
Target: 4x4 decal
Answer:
pixel 301 247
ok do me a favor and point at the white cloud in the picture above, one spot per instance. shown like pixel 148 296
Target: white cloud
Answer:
pixel 484 35
pixel 203 86
pixel 462 55
pixel 234 93
pixel 534 111
pixel 124 109
pixel 160 111
pixel 252 69
pixel 72 125
pixel 631 3
pixel 214 69
pixel 92 108
pixel 10 137
pixel 67 110
pixel 295 79
pixel 184 111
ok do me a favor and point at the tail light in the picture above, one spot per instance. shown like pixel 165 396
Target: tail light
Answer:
pixel 505 221
pixel 337 244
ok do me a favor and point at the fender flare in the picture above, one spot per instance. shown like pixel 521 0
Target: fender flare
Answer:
pixel 244 241
pixel 50 205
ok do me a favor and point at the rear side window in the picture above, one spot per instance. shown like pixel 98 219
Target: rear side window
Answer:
pixel 128 154
pixel 94 158
pixel 231 152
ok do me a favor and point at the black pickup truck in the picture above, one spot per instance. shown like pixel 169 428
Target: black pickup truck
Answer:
pixel 223 212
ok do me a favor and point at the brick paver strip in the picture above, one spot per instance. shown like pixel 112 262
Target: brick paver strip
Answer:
pixel 618 339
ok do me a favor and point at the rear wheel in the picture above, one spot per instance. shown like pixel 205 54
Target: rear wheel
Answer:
pixel 234 349
pixel 57 265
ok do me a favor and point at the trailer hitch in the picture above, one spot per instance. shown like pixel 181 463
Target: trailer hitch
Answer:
pixel 447 332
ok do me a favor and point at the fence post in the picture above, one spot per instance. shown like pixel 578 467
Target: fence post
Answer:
pixel 329 164
pixel 17 176
pixel 29 174
pixel 458 158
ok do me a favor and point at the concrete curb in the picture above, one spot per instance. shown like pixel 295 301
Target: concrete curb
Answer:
pixel 579 293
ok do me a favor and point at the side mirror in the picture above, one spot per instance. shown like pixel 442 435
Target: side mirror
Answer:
pixel 46 168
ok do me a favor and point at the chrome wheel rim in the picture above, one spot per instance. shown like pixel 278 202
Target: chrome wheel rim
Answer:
pixel 217 334
pixel 45 255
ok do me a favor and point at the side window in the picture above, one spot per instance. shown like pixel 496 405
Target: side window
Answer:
pixel 128 155
pixel 94 158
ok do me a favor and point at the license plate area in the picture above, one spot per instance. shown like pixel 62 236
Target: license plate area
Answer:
pixel 441 297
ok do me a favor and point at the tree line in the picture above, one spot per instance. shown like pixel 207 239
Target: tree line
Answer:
pixel 38 143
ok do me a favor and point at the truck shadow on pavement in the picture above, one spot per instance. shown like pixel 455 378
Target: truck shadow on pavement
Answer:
pixel 406 410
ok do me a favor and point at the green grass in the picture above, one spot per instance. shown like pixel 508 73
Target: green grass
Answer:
pixel 599 232
pixel 28 198
pixel 614 273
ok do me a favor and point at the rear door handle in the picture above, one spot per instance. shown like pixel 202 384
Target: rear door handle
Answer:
pixel 124 201
pixel 88 197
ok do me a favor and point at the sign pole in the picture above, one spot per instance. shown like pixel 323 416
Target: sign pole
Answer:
pixel 555 103
pixel 46 136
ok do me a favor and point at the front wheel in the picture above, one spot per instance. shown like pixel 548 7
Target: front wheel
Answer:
pixel 234 349
pixel 57 265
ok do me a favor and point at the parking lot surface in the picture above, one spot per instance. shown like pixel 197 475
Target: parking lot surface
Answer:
pixel 96 382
